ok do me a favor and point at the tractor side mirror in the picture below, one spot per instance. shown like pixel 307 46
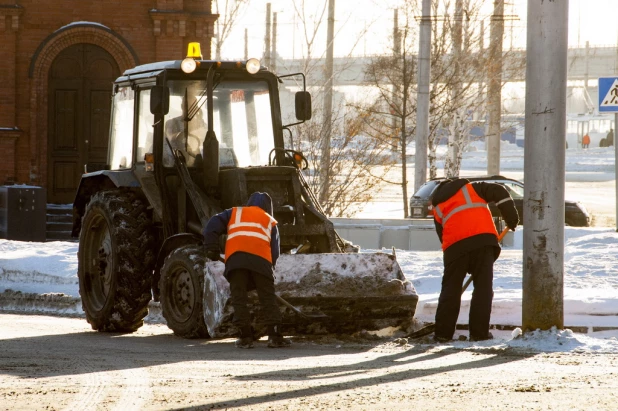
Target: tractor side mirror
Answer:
pixel 302 100
pixel 160 100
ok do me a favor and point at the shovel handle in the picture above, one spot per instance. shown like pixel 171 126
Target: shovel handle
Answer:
pixel 503 233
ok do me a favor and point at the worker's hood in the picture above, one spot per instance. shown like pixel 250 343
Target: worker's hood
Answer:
pixel 261 200
pixel 447 189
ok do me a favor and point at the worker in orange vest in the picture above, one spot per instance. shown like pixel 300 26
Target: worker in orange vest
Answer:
pixel 251 253
pixel 469 240
pixel 586 141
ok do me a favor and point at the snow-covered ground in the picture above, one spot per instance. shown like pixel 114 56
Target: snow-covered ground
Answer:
pixel 590 263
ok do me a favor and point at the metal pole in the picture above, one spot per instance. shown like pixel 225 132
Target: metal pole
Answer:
pixel 587 60
pixel 422 108
pixel 494 88
pixel 246 44
pixel 544 165
pixel 327 118
pixel 273 55
pixel 267 37
pixel 615 128
pixel 482 79
pixel 395 87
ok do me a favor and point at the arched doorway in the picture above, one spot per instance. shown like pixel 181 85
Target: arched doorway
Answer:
pixel 79 99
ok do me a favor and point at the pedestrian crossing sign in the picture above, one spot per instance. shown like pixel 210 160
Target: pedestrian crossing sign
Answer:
pixel 608 95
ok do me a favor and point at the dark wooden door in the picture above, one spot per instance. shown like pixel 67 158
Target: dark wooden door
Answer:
pixel 80 86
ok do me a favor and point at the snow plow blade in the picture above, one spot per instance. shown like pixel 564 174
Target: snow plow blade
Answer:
pixel 346 293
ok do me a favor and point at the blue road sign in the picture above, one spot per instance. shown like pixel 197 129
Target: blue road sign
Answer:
pixel 608 95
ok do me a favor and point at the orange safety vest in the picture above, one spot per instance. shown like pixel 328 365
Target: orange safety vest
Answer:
pixel 249 230
pixel 464 215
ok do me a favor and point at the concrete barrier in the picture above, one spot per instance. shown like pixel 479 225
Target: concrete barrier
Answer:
pixel 413 234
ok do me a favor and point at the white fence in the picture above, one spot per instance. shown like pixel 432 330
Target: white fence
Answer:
pixel 403 233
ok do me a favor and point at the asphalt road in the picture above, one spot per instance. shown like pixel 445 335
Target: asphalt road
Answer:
pixel 59 363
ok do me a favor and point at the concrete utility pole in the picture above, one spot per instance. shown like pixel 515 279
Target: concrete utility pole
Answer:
pixel 494 88
pixel 544 165
pixel 327 118
pixel 267 37
pixel 454 136
pixel 422 108
pixel 273 55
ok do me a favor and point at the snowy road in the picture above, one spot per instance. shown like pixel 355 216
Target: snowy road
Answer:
pixel 59 363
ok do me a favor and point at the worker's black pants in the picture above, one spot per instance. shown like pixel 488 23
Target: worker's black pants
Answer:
pixel 241 281
pixel 480 264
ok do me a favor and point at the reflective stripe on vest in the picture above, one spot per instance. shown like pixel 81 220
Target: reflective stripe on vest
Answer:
pixel 249 230
pixel 464 215
pixel 468 204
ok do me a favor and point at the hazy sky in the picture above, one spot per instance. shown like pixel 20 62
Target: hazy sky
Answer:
pixel 589 20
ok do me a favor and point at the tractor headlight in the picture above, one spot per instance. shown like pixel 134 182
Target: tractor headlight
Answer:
pixel 188 65
pixel 253 65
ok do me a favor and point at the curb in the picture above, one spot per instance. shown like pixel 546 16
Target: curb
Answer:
pixel 58 304
pixel 68 306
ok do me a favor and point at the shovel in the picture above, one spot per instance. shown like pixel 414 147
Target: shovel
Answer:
pixel 291 307
pixel 429 328
pixel 298 311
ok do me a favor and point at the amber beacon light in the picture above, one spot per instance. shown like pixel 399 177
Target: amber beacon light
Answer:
pixel 194 53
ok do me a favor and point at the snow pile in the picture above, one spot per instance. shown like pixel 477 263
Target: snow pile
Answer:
pixel 554 340
pixel 39 267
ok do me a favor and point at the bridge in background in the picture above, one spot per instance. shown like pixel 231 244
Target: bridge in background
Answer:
pixel 584 63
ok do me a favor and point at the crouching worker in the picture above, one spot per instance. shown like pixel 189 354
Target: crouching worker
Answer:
pixel 251 253
pixel 470 244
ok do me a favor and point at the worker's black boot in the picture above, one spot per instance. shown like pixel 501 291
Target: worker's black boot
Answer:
pixel 488 336
pixel 246 338
pixel 275 339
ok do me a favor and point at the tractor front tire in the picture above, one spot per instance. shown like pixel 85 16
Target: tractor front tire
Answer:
pixel 115 261
pixel 182 289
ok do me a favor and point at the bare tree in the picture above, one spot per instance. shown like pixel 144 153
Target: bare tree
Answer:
pixel 394 78
pixel 458 70
pixel 357 162
pixel 228 11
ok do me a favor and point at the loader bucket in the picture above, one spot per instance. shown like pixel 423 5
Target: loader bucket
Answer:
pixel 341 293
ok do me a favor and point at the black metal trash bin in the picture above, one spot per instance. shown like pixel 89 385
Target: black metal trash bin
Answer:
pixel 23 213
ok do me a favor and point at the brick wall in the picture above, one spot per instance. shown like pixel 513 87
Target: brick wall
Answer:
pixel 34 32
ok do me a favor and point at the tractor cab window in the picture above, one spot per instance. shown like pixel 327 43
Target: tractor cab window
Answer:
pixel 145 120
pixel 121 142
pixel 241 116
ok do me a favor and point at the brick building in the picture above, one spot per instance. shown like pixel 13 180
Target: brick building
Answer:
pixel 58 59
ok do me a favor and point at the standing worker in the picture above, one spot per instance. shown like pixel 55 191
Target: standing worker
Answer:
pixel 470 244
pixel 251 253
pixel 586 141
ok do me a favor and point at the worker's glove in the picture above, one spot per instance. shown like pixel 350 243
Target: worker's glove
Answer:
pixel 512 224
pixel 213 255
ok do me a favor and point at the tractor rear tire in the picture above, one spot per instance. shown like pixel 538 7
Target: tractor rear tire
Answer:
pixel 182 289
pixel 115 261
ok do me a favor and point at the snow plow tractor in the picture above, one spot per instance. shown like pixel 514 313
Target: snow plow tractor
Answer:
pixel 189 139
